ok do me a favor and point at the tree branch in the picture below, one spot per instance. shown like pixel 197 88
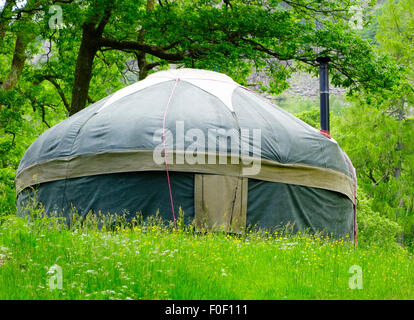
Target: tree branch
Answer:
pixel 150 49
pixel 52 80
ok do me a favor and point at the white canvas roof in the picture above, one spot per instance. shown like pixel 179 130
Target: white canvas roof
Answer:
pixel 217 84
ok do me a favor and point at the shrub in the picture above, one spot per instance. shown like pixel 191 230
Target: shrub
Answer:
pixel 7 191
pixel 374 229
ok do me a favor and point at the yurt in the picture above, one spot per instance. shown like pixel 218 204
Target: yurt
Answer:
pixel 195 140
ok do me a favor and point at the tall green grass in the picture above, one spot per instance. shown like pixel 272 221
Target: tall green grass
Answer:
pixel 149 261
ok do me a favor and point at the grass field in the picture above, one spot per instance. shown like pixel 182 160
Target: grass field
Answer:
pixel 151 262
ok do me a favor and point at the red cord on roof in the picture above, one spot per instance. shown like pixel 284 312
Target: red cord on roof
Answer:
pixel 165 150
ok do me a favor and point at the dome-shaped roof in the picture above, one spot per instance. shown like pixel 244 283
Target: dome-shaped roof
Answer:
pixel 192 110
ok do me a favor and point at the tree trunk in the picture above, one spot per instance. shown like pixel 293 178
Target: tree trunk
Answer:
pixel 19 57
pixel 84 65
pixel 141 56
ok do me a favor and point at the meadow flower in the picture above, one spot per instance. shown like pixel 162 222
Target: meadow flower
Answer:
pixel 91 271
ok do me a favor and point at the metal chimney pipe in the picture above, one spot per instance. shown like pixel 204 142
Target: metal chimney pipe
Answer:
pixel 324 94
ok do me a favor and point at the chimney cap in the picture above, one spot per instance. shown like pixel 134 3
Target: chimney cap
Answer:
pixel 323 59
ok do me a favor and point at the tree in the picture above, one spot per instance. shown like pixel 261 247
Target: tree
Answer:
pixel 396 32
pixel 275 36
pixel 378 130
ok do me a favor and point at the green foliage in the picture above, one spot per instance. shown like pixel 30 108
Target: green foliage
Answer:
pixel 377 130
pixel 381 150
pixel 395 31
pixel 296 104
pixel 311 117
pixel 7 191
pixel 307 109
pixel 373 228
pixel 201 34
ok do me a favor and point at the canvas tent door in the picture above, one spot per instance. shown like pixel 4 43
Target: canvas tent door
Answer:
pixel 220 203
